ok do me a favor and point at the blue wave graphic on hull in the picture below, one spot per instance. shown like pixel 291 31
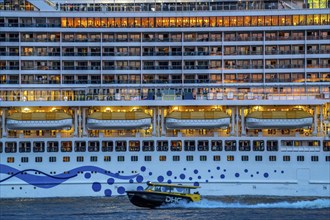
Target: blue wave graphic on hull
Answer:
pixel 48 181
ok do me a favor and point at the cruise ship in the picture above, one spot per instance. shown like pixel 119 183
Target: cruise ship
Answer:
pixel 98 97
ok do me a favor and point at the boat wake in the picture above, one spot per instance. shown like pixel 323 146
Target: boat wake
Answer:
pixel 209 204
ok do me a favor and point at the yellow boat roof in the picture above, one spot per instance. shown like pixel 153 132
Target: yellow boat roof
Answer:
pixel 119 115
pixel 39 116
pixel 198 115
pixel 294 114
pixel 172 185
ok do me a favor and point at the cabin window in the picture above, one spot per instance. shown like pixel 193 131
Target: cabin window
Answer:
pixel 1 146
pixel 24 159
pixel 66 159
pixel 93 146
pixel 258 158
pixel 272 158
pixel 25 147
pixel 120 146
pixel 162 158
pixel 120 158
pixel 80 159
pixel 107 146
pixel 326 145
pixel 176 158
pixel 52 159
pixel 315 158
pixel 162 146
pixel 216 145
pixel 244 145
pixel 286 158
pixel 327 158
pixel 93 158
pixel 189 146
pixel 66 146
pixel 147 158
pixel 203 145
pixel 134 145
pixel 203 158
pixel 11 147
pixel 300 158
pixel 230 158
pixel 245 158
pixel 38 146
pixel 38 159
pixel 272 145
pixel 80 146
pixel 10 159
pixel 107 159
pixel 230 145
pixel 216 158
pixel 258 146
pixel 134 158
pixel 176 146
pixel 148 146
pixel 190 158
pixel 52 146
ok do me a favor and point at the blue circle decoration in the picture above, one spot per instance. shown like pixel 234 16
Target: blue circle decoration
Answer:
pixel 169 173
pixel 206 181
pixel 190 178
pixel 196 184
pixel 96 187
pixel 266 175
pixel 237 175
pixel 224 170
pixel 139 179
pixel 143 168
pixel 209 171
pixel 222 176
pixel 175 177
pixel 131 181
pixel 87 175
pixel 182 176
pixel 139 188
pixel 282 171
pixel 199 177
pixel 121 190
pixel 218 168
pixel 111 181
pixel 251 175
pixel 257 172
pixel 211 177
pixel 160 179
pixel 246 170
pixel 150 173
pixel 169 181
pixel 195 171
pixel 275 171
pixel 184 168
pixel 108 192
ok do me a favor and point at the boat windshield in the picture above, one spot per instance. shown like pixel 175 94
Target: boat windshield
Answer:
pixel 168 189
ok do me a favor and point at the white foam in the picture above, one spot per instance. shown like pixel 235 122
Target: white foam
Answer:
pixel 209 204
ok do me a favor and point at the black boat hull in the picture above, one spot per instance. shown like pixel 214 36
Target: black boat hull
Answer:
pixel 154 199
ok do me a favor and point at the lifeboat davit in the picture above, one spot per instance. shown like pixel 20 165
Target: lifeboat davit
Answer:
pixel 197 120
pixel 279 119
pixel 39 121
pixel 118 120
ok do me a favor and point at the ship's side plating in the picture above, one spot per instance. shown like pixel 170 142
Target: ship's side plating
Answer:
pixel 99 98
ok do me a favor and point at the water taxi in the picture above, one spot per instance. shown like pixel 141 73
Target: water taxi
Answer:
pixel 157 194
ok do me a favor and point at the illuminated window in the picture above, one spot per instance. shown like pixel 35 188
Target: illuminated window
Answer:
pixel 10 159
pixel 107 158
pixel 230 158
pixel 216 158
pixel 120 158
pixel 189 158
pixel 162 158
pixel 66 159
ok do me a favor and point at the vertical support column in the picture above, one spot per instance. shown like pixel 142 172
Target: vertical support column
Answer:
pixel 315 122
pixel 84 132
pixel 237 121
pixel 154 119
pixel 75 132
pixel 3 122
pixel 321 120
pixel 232 129
pixel 243 122
pixel 163 122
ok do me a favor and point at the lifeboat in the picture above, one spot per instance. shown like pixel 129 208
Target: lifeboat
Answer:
pixel 118 120
pixel 39 121
pixel 279 119
pixel 197 120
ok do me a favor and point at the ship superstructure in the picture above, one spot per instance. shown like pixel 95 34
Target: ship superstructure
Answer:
pixel 100 96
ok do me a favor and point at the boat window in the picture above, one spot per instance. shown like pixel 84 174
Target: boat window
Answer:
pixel 120 145
pixel 203 158
pixel 25 147
pixel 93 158
pixel 52 159
pixel 10 159
pixel 272 145
pixel 258 146
pixel 176 146
pixel 107 146
pixel 327 158
pixel 176 158
pixel 162 158
pixel 189 157
pixel 286 158
pixel 147 158
pixel 134 158
pixel 162 146
pixel 245 158
pixel 24 159
pixel 148 146
pixel 66 146
pixel 230 145
pixel 66 159
pixel 203 145
pixel 258 158
pixel 216 158
pixel 93 146
pixel 120 158
pixel 216 145
pixel 52 146
pixel 80 146
pixel 189 146
pixel 326 145
pixel 38 146
pixel 107 158
pixel 134 145
pixel 1 146
pixel 230 158
pixel 80 159
pixel 38 159
pixel 272 158
pixel 314 158
pixel 11 147
pixel 244 145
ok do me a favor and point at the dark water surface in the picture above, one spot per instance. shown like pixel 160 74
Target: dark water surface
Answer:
pixel 209 208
